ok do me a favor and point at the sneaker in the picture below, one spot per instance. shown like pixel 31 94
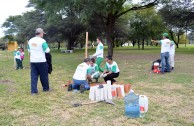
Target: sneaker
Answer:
pixel 33 94
pixel 69 87
pixel 49 90
pixel 82 88
pixel 75 91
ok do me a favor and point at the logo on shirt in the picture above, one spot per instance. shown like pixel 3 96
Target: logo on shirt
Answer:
pixel 34 45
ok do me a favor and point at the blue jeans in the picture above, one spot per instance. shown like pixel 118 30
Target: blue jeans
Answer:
pixel 76 84
pixel 165 62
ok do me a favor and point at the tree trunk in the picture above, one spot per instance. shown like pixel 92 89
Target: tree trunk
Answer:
pixel 59 45
pixel 138 41
pixel 109 33
pixel 171 34
pixel 133 42
pixel 142 44
pixel 70 43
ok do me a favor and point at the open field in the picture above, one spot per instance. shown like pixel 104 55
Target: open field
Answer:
pixel 171 96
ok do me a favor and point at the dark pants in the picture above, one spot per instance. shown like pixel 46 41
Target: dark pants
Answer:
pixel 42 70
pixel 19 64
pixel 111 77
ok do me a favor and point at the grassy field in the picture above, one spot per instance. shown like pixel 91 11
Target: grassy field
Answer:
pixel 171 96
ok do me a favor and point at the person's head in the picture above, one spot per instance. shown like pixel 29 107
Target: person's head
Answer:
pixel 99 39
pixel 109 59
pixel 165 35
pixel 40 32
pixel 87 60
pixel 92 62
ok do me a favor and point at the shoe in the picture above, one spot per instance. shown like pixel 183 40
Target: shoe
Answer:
pixel 75 91
pixel 172 68
pixel 69 87
pixel 33 94
pixel 49 90
pixel 82 88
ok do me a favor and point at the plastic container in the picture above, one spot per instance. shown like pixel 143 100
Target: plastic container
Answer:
pixel 143 104
pixel 127 88
pixel 132 109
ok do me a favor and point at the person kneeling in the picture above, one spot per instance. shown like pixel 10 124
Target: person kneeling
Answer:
pixel 94 71
pixel 112 70
pixel 80 77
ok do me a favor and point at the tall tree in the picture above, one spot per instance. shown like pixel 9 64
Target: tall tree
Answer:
pixel 108 11
pixel 178 15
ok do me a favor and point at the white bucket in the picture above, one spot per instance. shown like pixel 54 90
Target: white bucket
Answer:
pixel 143 100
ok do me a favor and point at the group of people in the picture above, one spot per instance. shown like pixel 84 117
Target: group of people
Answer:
pixel 90 69
pixel 167 53
pixel 84 73
pixel 19 57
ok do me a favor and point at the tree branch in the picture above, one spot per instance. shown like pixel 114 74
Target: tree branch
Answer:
pixel 155 2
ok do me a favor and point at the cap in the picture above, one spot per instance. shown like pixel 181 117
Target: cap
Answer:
pixel 40 30
pixel 165 34
pixel 87 59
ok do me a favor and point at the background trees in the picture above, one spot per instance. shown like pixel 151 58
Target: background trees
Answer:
pixel 117 21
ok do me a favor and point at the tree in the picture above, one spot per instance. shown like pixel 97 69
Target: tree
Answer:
pixel 23 26
pixel 63 18
pixel 178 16
pixel 145 24
pixel 108 11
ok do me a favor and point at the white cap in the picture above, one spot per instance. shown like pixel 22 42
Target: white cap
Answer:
pixel 40 30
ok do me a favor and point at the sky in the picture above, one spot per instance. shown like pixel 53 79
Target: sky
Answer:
pixel 11 8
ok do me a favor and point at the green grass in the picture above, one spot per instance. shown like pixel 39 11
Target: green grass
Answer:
pixel 171 96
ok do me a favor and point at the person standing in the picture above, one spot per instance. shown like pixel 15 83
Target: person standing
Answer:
pixel 37 48
pixel 18 59
pixel 99 53
pixel 112 70
pixel 22 53
pixel 165 49
pixel 80 77
pixel 172 54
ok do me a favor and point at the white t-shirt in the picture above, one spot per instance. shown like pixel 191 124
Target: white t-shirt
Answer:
pixel 112 67
pixel 81 71
pixel 165 45
pixel 172 48
pixel 37 47
pixel 99 50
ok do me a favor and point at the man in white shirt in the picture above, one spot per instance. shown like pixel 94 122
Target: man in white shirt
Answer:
pixel 111 70
pixel 37 48
pixel 80 77
pixel 165 49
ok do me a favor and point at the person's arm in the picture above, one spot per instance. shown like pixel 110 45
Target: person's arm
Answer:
pixel 98 52
pixel 156 41
pixel 106 69
pixel 45 47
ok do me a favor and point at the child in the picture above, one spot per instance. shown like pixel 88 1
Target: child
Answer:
pixel 22 53
pixel 18 59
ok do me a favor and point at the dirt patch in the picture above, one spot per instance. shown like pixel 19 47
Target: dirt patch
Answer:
pixel 6 82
